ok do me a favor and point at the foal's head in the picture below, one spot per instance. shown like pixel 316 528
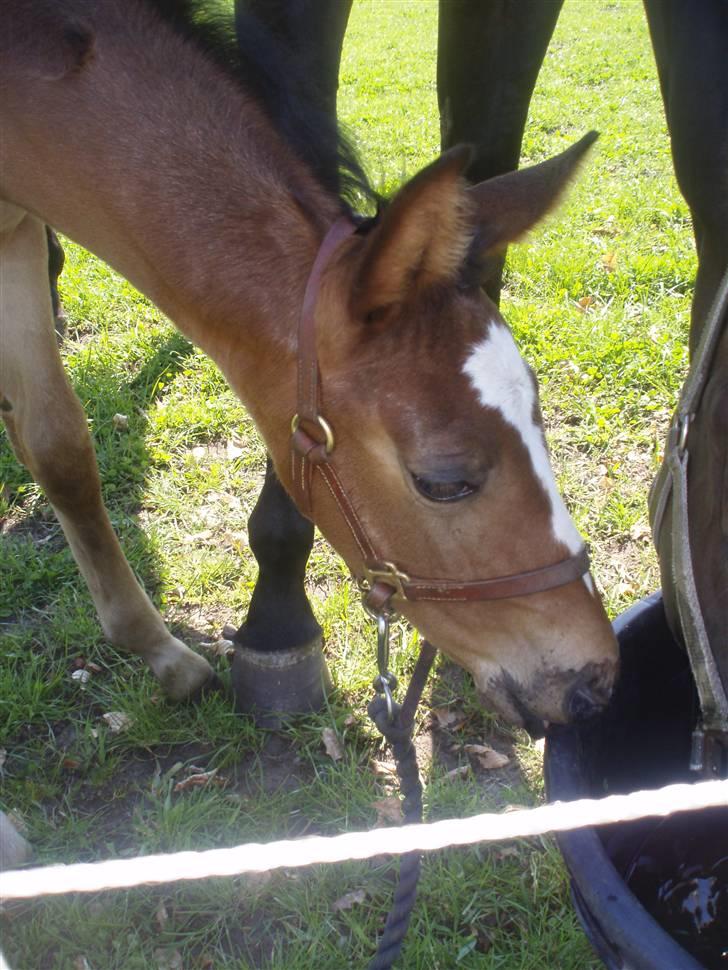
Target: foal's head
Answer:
pixel 439 438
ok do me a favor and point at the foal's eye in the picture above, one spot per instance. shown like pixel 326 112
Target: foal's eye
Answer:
pixel 443 491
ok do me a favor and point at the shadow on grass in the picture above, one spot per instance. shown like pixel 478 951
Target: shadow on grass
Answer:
pixel 35 557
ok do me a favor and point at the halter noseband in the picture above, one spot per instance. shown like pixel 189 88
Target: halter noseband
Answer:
pixel 312 446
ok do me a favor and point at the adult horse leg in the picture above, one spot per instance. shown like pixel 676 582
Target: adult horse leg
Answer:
pixel 313 30
pixel 484 97
pixel 279 665
pixel 690 46
pixel 49 434
pixel 488 58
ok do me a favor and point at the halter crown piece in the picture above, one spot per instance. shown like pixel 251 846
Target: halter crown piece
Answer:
pixel 312 448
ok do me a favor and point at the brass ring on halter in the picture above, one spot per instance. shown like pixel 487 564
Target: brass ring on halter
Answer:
pixel 325 427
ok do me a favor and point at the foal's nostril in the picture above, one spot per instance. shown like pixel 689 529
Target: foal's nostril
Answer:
pixel 585 703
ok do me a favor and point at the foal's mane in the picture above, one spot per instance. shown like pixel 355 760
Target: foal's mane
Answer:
pixel 248 52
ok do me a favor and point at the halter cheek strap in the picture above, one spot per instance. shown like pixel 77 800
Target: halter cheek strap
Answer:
pixel 312 447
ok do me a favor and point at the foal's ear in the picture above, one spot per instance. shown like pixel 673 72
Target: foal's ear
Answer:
pixel 422 237
pixel 509 205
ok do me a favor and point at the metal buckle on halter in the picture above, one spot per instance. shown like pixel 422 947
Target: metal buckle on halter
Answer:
pixel 385 681
pixel 383 572
pixel 328 431
pixel 682 426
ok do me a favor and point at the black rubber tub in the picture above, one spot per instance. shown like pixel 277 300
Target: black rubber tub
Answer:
pixel 642 742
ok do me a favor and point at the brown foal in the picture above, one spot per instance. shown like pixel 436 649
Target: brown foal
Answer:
pixel 123 134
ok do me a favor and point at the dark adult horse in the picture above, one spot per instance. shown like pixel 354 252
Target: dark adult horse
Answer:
pixel 489 56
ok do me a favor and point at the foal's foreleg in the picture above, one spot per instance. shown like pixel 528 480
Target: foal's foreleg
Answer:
pixel 48 431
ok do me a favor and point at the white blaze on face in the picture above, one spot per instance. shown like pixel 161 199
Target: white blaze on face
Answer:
pixel 504 383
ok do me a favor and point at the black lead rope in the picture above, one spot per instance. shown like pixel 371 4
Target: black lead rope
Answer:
pixel 396 723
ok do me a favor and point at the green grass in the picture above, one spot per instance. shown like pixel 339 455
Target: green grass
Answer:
pixel 180 500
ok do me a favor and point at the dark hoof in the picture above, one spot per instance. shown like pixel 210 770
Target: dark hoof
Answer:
pixel 271 685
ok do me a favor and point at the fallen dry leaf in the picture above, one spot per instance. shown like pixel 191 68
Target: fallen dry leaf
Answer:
pixel 462 771
pixel 447 717
pixel 199 780
pixel 477 748
pixel 389 810
pixel 168 959
pixel 18 823
pixel 386 769
pixel 493 760
pixel 487 757
pixel 607 228
pixel 585 302
pixel 333 745
pixel 640 530
pixel 237 540
pixel 117 721
pixel 350 720
pixel 507 852
pixel 161 916
pixel 349 900
pixel 233 450
pixel 219 648
pixel 202 536
pixel 609 261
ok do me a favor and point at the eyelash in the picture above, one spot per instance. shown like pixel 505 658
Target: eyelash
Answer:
pixel 443 491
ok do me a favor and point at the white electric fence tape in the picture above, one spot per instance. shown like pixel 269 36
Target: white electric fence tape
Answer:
pixel 256 857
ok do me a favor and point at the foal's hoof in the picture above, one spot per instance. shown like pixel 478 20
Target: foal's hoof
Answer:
pixel 271 685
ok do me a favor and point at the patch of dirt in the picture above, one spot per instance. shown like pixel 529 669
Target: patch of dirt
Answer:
pixel 39 525
pixel 118 803
pixel 447 743
pixel 113 802
pixel 277 767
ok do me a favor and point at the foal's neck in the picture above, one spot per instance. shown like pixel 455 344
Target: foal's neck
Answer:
pixel 152 157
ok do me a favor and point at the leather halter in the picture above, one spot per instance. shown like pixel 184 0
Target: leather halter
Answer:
pixel 312 446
